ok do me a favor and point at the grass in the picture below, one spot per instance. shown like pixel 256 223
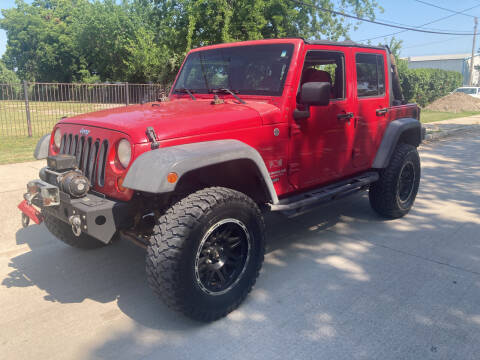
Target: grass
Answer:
pixel 427 116
pixel 15 146
pixel 43 115
pixel 17 149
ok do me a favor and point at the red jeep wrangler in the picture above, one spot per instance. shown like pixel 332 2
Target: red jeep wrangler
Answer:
pixel 249 127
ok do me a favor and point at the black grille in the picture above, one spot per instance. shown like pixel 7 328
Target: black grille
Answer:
pixel 91 155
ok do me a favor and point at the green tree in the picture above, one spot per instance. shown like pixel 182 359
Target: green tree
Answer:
pixel 191 23
pixel 148 60
pixel 7 76
pixel 40 42
pixel 102 34
pixel 395 46
pixel 185 24
pixel 145 40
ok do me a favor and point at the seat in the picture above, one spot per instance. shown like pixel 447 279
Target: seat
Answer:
pixel 314 75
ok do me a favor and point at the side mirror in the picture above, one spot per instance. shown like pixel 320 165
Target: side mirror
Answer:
pixel 312 93
pixel 315 93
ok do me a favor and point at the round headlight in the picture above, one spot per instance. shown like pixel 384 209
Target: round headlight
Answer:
pixel 124 152
pixel 57 138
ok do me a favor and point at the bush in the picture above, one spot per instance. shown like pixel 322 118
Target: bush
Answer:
pixel 7 76
pixel 424 86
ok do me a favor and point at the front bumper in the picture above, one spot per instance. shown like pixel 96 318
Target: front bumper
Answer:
pixel 92 214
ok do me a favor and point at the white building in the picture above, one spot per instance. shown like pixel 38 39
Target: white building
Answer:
pixel 454 62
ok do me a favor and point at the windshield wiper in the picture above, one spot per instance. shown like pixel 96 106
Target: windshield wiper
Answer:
pixel 186 91
pixel 228 91
pixel 200 57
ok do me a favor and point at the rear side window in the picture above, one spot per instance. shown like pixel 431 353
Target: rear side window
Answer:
pixel 370 75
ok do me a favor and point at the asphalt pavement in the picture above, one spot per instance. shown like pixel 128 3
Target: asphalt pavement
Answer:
pixel 337 283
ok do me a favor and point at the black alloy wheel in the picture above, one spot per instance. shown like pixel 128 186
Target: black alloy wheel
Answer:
pixel 206 251
pixel 393 195
pixel 406 182
pixel 222 256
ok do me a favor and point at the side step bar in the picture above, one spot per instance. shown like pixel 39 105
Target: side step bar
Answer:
pixel 327 193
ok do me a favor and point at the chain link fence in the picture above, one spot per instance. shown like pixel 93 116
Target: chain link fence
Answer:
pixel 33 108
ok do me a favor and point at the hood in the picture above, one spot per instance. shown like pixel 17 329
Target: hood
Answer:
pixel 178 118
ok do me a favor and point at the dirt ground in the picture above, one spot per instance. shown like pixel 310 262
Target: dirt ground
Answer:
pixel 456 102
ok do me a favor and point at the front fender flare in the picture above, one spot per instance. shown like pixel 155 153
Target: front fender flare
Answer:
pixel 41 150
pixel 148 173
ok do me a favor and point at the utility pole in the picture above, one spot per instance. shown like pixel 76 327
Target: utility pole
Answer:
pixel 472 62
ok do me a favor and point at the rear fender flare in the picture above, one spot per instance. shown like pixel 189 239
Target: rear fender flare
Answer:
pixel 396 130
pixel 149 171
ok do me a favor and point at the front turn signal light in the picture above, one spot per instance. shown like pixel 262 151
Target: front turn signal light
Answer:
pixel 120 184
pixel 172 177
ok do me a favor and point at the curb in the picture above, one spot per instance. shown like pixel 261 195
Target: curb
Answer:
pixel 437 134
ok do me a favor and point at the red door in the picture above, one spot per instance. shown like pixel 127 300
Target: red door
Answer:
pixel 372 103
pixel 321 145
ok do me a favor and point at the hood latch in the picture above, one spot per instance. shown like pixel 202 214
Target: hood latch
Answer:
pixel 216 100
pixel 152 137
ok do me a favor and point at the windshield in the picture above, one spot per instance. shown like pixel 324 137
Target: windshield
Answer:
pixel 250 70
pixel 471 91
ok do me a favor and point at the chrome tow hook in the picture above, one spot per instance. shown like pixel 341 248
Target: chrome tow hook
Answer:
pixel 76 223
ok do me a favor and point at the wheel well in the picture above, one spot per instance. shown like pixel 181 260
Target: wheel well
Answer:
pixel 241 175
pixel 411 136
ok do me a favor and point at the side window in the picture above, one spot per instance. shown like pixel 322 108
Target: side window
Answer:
pixel 370 75
pixel 325 66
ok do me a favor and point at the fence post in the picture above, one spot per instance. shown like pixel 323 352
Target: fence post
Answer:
pixel 27 108
pixel 127 95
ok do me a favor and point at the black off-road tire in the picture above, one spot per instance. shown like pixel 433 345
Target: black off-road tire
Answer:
pixel 177 242
pixel 388 197
pixel 63 232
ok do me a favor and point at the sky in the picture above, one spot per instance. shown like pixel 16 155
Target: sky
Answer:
pixel 405 12
pixel 413 13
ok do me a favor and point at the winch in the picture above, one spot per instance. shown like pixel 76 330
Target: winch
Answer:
pixel 74 183
pixel 62 171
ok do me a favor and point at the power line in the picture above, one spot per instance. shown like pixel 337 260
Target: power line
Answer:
pixel 408 28
pixel 424 27
pixel 442 8
pixel 421 26
pixel 430 43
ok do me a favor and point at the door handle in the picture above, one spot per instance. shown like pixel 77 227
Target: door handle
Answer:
pixel 346 117
pixel 381 112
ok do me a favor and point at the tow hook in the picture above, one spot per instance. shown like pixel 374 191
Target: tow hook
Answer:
pixel 25 220
pixel 76 223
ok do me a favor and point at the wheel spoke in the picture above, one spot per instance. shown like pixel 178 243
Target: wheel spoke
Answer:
pixel 220 276
pixel 210 275
pixel 231 257
pixel 226 233
pixel 407 180
pixel 234 245
pixel 220 260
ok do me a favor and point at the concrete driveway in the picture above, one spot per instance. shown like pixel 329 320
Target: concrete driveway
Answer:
pixel 338 283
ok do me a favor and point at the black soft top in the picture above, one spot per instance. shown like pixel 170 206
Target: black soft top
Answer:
pixel 348 43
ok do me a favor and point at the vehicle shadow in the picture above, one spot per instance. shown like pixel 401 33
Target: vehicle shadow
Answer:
pixel 116 272
pixel 326 280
